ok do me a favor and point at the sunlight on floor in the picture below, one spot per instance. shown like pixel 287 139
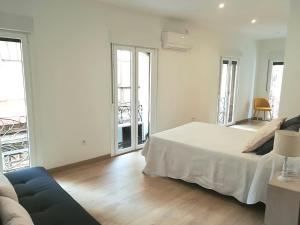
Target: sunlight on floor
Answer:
pixel 252 125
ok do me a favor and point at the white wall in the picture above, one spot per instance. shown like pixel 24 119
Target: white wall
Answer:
pixel 290 106
pixel 206 56
pixel 71 77
pixel 271 49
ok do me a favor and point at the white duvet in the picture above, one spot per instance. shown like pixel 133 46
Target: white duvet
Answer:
pixel 210 156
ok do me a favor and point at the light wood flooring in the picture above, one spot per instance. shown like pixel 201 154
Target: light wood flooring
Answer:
pixel 116 192
pixel 252 125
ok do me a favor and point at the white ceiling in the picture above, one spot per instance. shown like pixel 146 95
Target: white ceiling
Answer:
pixel 271 15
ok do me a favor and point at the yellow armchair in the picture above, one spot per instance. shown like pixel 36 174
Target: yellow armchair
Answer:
pixel 262 105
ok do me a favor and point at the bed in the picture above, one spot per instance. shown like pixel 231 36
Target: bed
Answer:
pixel 211 156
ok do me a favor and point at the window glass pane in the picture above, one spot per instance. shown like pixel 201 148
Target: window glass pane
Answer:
pixel 275 87
pixel 143 96
pixel 124 62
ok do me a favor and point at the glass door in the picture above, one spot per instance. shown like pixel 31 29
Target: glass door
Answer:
pixel 14 138
pixel 227 90
pixel 132 97
pixel 124 82
pixel 143 95
pixel 275 83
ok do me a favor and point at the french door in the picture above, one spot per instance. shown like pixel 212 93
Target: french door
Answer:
pixel 227 91
pixel 274 84
pixel 133 84
pixel 15 148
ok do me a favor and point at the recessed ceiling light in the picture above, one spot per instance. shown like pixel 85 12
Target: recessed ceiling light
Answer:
pixel 253 21
pixel 221 5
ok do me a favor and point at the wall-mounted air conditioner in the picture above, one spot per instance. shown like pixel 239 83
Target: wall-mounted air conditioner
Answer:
pixel 176 41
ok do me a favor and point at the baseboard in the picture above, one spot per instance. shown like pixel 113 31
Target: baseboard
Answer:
pixel 72 165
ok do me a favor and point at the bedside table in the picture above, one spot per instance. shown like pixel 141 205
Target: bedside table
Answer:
pixel 283 202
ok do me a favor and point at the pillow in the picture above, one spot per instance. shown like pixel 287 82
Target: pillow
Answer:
pixel 294 127
pixel 6 188
pixel 268 146
pixel 263 135
pixel 12 213
pixel 290 122
pixel 265 148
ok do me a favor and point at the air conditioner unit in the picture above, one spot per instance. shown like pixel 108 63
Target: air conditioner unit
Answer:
pixel 176 41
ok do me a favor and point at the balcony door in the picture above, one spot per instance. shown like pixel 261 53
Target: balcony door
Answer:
pixel 14 130
pixel 134 84
pixel 274 83
pixel 227 91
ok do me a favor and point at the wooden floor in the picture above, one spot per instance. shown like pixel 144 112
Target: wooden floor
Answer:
pixel 116 192
pixel 251 125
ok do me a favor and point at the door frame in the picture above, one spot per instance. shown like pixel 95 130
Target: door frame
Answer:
pixel 134 95
pixel 230 59
pixel 28 92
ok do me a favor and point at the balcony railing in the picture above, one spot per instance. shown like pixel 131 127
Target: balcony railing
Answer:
pixel 222 110
pixel 124 113
pixel 14 144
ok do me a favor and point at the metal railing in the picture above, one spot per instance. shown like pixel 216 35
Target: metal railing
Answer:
pixel 222 110
pixel 124 113
pixel 14 145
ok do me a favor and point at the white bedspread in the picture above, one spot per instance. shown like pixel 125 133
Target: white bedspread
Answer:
pixel 206 154
pixel 210 156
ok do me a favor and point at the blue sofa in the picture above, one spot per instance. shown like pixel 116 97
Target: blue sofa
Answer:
pixel 45 201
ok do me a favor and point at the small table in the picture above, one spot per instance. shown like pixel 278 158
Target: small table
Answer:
pixel 283 202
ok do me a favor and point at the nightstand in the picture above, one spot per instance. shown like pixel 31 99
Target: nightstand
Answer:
pixel 283 202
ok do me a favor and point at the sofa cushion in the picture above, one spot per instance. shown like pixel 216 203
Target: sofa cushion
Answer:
pixel 6 189
pixel 12 213
pixel 46 202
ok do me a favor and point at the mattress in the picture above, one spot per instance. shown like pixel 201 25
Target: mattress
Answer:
pixel 205 154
